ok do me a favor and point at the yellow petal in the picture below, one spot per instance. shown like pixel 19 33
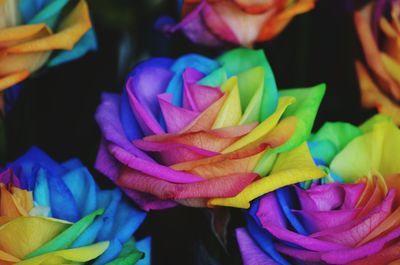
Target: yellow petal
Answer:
pixel 290 167
pixel 71 29
pixel 21 34
pixel 31 232
pixel 263 128
pixel 82 254
pixel 372 154
pixel 230 112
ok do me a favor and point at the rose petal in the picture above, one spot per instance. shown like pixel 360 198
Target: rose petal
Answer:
pixel 251 253
pixel 221 186
pixel 291 167
pixel 151 168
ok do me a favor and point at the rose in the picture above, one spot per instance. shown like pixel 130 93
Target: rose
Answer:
pixel 377 27
pixel 32 32
pixel 86 222
pixel 240 22
pixel 200 132
pixel 368 227
pixel 328 224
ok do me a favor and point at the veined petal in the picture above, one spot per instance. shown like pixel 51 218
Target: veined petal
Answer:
pixel 291 167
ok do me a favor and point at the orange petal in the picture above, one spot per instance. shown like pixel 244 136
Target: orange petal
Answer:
pixel 277 23
pixel 206 119
pixel 362 20
pixel 12 79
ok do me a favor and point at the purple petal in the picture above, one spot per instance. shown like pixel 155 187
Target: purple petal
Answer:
pixel 9 178
pixel 251 253
pixel 269 211
pixel 107 117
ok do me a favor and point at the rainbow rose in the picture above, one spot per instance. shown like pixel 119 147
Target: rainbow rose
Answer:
pixel 377 25
pixel 35 33
pixel 203 132
pixel 239 22
pixel 60 215
pixel 335 223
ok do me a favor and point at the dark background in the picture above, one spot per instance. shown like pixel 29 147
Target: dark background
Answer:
pixel 56 106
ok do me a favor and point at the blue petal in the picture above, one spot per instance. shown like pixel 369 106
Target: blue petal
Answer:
pixel 111 253
pixel 87 43
pixel 29 8
pixel 264 240
pixel 83 189
pixel 144 245
pixel 49 14
pixel 41 194
pixel 195 61
pixel 108 200
pixel 36 156
pixel 128 120
pixel 63 205
pixel 72 164
pixel 286 199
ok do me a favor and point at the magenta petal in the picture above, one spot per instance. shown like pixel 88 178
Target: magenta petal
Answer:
pixel 344 257
pixel 302 241
pixel 176 118
pixel 226 186
pixel 194 28
pixel 298 253
pixel 9 178
pixel 353 193
pixel 173 153
pixel 197 97
pixel 251 253
pixel 353 232
pixel 106 163
pixel 109 166
pixel 269 211
pixel 321 220
pixel 147 121
pixel 151 168
pixel 107 116
pixel 321 198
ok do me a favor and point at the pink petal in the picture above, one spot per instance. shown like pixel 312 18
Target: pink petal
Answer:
pixel 226 186
pixel 176 118
pixel 151 168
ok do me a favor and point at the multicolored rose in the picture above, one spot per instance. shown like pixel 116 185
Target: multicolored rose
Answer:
pixel 60 215
pixel 377 25
pixel 334 223
pixel 238 22
pixel 35 33
pixel 203 132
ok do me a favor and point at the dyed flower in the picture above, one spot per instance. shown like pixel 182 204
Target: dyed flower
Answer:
pixel 60 215
pixel 334 223
pixel 35 33
pixel 202 132
pixel 377 25
pixel 239 22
